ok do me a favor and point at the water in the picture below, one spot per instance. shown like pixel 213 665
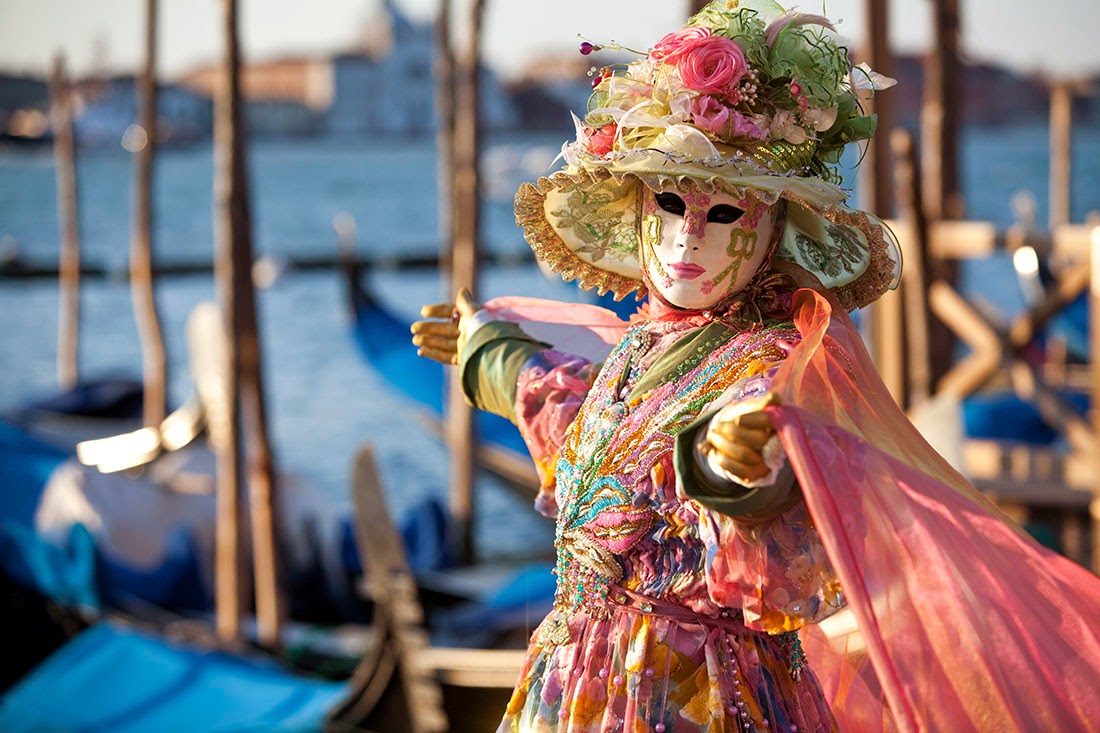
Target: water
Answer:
pixel 323 400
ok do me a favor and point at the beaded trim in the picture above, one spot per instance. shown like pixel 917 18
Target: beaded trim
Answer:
pixel 605 453
pixel 530 207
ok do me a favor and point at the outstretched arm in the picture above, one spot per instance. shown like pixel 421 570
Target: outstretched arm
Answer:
pixel 489 354
pixel 731 462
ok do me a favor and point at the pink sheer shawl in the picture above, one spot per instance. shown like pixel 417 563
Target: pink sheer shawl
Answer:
pixel 956 620
pixel 962 622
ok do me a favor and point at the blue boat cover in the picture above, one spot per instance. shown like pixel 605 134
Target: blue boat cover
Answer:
pixel 118 680
pixel 75 572
pixel 107 396
pixel 25 465
pixel 1006 416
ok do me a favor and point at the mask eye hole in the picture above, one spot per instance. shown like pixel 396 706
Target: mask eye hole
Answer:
pixel 724 214
pixel 671 203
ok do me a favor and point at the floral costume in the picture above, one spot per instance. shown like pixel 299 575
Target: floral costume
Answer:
pixel 670 615
pixel 682 607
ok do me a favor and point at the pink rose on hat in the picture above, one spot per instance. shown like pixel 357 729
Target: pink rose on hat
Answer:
pixel 712 65
pixel 713 116
pixel 710 114
pixel 673 45
pixel 602 141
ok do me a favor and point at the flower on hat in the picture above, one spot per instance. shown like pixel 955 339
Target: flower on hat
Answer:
pixel 601 141
pixel 675 44
pixel 712 65
pixel 741 75
pixel 720 119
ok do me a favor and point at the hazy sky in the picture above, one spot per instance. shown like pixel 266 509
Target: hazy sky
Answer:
pixel 1054 36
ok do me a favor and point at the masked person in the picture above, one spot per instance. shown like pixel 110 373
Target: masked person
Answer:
pixel 734 473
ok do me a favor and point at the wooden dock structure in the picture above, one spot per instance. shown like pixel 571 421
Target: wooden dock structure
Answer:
pixel 1054 486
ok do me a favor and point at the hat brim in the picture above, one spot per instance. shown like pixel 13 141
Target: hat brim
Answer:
pixel 583 223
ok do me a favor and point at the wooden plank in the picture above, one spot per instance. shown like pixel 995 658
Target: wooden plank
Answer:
pixel 394 592
pixel 498 668
pixel 1067 289
pixel 441 688
pixel 956 240
pixel 1073 241
pixel 966 239
pixel 968 375
pixel 1025 474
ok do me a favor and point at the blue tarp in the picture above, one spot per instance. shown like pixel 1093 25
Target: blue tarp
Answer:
pixel 122 681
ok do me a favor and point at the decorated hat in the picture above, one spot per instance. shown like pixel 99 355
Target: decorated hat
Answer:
pixel 747 99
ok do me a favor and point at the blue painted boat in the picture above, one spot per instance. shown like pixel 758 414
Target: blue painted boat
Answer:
pixel 384 340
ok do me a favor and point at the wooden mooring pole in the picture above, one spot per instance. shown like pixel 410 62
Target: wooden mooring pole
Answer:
pixel 939 122
pixel 916 314
pixel 876 189
pixel 68 322
pixel 229 570
pixel 245 383
pixel 443 67
pixel 466 218
pixel 876 196
pixel 1061 143
pixel 142 284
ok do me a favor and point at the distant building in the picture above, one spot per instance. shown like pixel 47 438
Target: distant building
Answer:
pixel 988 95
pixel 387 85
pixel 305 81
pixel 549 89
pixel 384 86
pixel 24 104
pixel 286 96
pixel 105 108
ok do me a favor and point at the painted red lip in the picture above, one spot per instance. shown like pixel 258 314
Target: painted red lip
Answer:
pixel 686 270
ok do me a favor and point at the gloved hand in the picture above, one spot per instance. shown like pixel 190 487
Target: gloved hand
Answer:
pixel 734 440
pixel 441 335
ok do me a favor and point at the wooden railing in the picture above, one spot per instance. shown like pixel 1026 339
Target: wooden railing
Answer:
pixel 1057 485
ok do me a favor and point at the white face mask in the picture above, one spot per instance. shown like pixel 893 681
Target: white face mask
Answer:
pixel 698 249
